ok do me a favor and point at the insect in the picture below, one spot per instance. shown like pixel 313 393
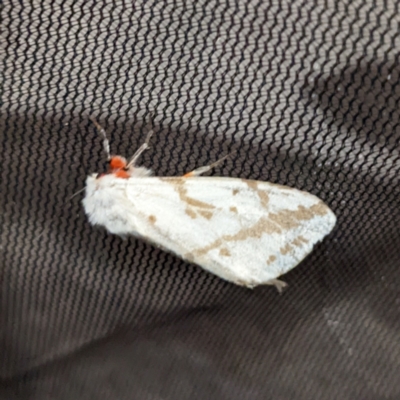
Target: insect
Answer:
pixel 244 231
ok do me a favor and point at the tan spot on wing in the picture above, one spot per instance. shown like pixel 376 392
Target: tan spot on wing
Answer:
pixel 251 184
pixel 271 259
pixel 179 186
pixel 262 194
pixel 287 249
pixel 264 197
pixel 206 214
pixel 182 191
pixel 262 226
pixel 233 209
pixel 224 252
pixel 235 192
pixel 299 241
pixel 189 257
pixel 274 223
pixel 195 203
pixel 192 205
pixel 290 219
pixel 152 219
pixel 191 213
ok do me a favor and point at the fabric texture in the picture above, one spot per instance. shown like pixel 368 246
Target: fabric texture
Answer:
pixel 301 93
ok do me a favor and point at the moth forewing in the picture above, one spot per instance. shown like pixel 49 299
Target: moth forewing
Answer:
pixel 246 232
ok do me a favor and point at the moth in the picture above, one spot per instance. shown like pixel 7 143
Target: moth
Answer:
pixel 246 232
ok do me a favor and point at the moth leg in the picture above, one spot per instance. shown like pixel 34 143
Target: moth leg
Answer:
pixel 140 150
pixel 280 285
pixel 202 170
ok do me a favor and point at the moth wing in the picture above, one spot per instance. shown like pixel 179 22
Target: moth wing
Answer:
pixel 246 232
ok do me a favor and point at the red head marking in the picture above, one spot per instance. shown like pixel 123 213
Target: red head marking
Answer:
pixel 117 162
pixel 118 167
pixel 121 173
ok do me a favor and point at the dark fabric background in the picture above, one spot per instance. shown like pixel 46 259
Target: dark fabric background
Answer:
pixel 303 93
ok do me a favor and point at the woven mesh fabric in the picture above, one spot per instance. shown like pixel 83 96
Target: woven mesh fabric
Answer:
pixel 302 93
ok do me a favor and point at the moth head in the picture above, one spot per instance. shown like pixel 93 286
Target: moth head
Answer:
pixel 117 162
pixel 118 166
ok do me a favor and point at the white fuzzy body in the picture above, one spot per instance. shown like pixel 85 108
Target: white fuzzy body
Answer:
pixel 246 232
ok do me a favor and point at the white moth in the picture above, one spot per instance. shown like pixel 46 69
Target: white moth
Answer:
pixel 244 231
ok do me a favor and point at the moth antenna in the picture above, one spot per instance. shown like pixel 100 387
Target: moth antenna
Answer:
pixel 140 150
pixel 202 170
pixel 106 143
pixel 79 191
pixel 218 162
